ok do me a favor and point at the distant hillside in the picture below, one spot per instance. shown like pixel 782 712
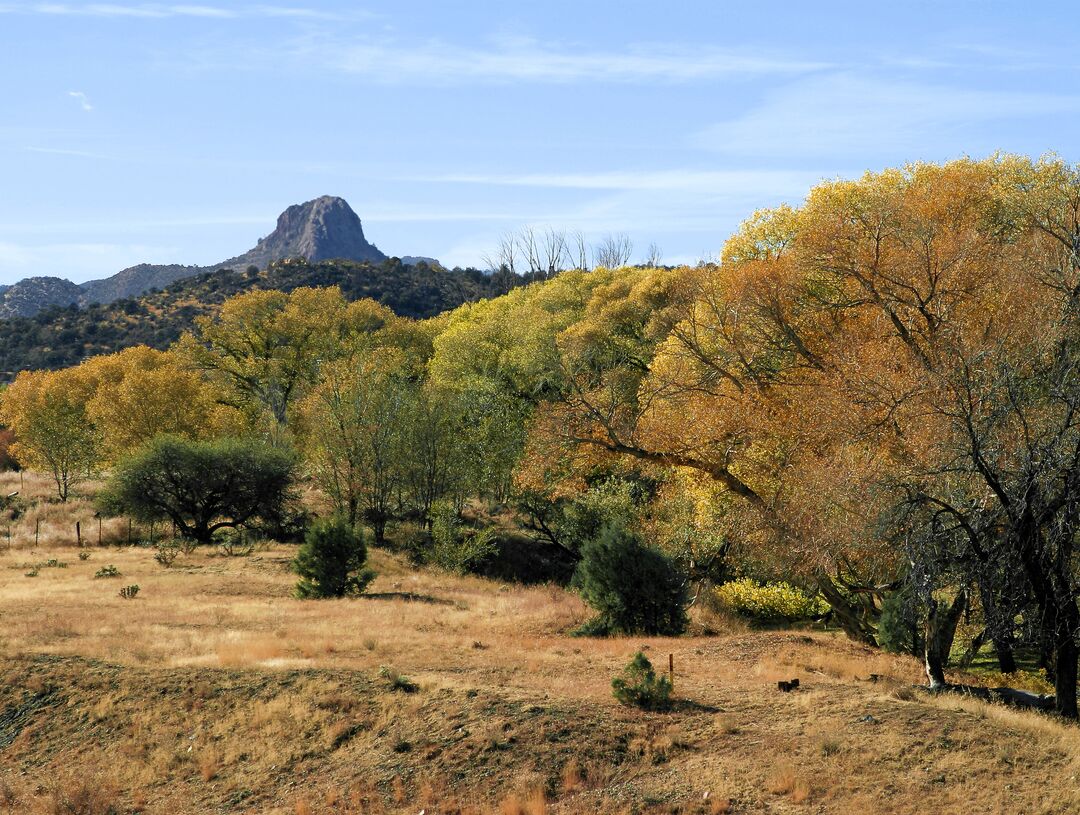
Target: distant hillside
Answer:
pixel 323 229
pixel 61 336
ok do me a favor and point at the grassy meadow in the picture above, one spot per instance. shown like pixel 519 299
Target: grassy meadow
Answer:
pixel 214 690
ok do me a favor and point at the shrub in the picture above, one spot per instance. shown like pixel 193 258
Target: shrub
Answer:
pixel 167 552
pixel 107 571
pixel 899 627
pixel 202 486
pixel 129 592
pixel 640 687
pixel 770 602
pixel 234 543
pixel 397 681
pixel 456 549
pixel 84 555
pixel 633 588
pixel 331 561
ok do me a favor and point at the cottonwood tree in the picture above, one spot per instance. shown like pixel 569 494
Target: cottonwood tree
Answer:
pixel 266 347
pixel 355 424
pixel 47 412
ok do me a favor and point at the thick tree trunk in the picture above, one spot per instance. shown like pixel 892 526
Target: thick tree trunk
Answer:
pixel 1065 658
pixel 852 619
pixel 1003 647
pixel 940 631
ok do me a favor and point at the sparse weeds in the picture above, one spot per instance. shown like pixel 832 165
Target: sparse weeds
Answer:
pixel 397 681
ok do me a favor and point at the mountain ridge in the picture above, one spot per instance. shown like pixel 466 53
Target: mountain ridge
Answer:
pixel 324 228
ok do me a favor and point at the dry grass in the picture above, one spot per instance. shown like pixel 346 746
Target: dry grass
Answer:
pixel 217 691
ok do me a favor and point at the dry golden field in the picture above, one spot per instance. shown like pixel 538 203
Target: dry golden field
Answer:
pixel 215 691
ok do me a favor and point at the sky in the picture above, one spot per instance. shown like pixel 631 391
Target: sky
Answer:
pixel 175 133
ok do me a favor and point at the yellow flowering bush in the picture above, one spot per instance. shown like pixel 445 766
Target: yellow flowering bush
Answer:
pixel 769 601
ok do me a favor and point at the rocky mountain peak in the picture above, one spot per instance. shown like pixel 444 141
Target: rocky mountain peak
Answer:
pixel 321 229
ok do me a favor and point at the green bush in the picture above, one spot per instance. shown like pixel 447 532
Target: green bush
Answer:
pixel 202 486
pixel 633 588
pixel 107 571
pixel 639 686
pixel 459 550
pixel 331 561
pixel 770 602
pixel 900 625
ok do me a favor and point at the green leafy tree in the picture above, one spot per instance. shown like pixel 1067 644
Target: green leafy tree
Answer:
pixel 331 561
pixel 202 486
pixel 47 412
pixel 634 588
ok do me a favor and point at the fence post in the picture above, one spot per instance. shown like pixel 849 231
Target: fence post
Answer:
pixel 78 533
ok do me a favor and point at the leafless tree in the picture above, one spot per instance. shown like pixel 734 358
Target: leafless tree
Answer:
pixel 653 255
pixel 529 247
pixel 504 255
pixel 579 250
pixel 554 251
pixel 613 251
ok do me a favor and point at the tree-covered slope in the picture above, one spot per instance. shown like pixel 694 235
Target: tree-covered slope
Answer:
pixel 58 337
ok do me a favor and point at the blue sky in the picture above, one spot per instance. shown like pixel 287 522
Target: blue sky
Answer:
pixel 161 132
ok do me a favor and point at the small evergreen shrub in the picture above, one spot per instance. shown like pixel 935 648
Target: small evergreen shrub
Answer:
pixel 638 686
pixel 633 588
pixel 769 602
pixel 84 555
pixel 107 571
pixel 331 561
pixel 129 592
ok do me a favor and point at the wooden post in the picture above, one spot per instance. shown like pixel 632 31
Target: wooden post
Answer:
pixel 99 530
pixel 78 533
pixel 151 533
pixel 129 531
pixel 671 669
pixel 37 531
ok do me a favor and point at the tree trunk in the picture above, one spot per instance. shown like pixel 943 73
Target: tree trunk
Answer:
pixel 1065 657
pixel 852 618
pixel 1006 658
pixel 940 631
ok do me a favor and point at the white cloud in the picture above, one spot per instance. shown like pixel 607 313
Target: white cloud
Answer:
pixel 841 114
pixel 84 103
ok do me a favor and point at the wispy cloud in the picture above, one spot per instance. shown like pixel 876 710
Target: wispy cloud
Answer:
pixel 163 10
pixel 762 181
pixel 57 151
pixel 80 97
pixel 842 114
pixel 524 59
